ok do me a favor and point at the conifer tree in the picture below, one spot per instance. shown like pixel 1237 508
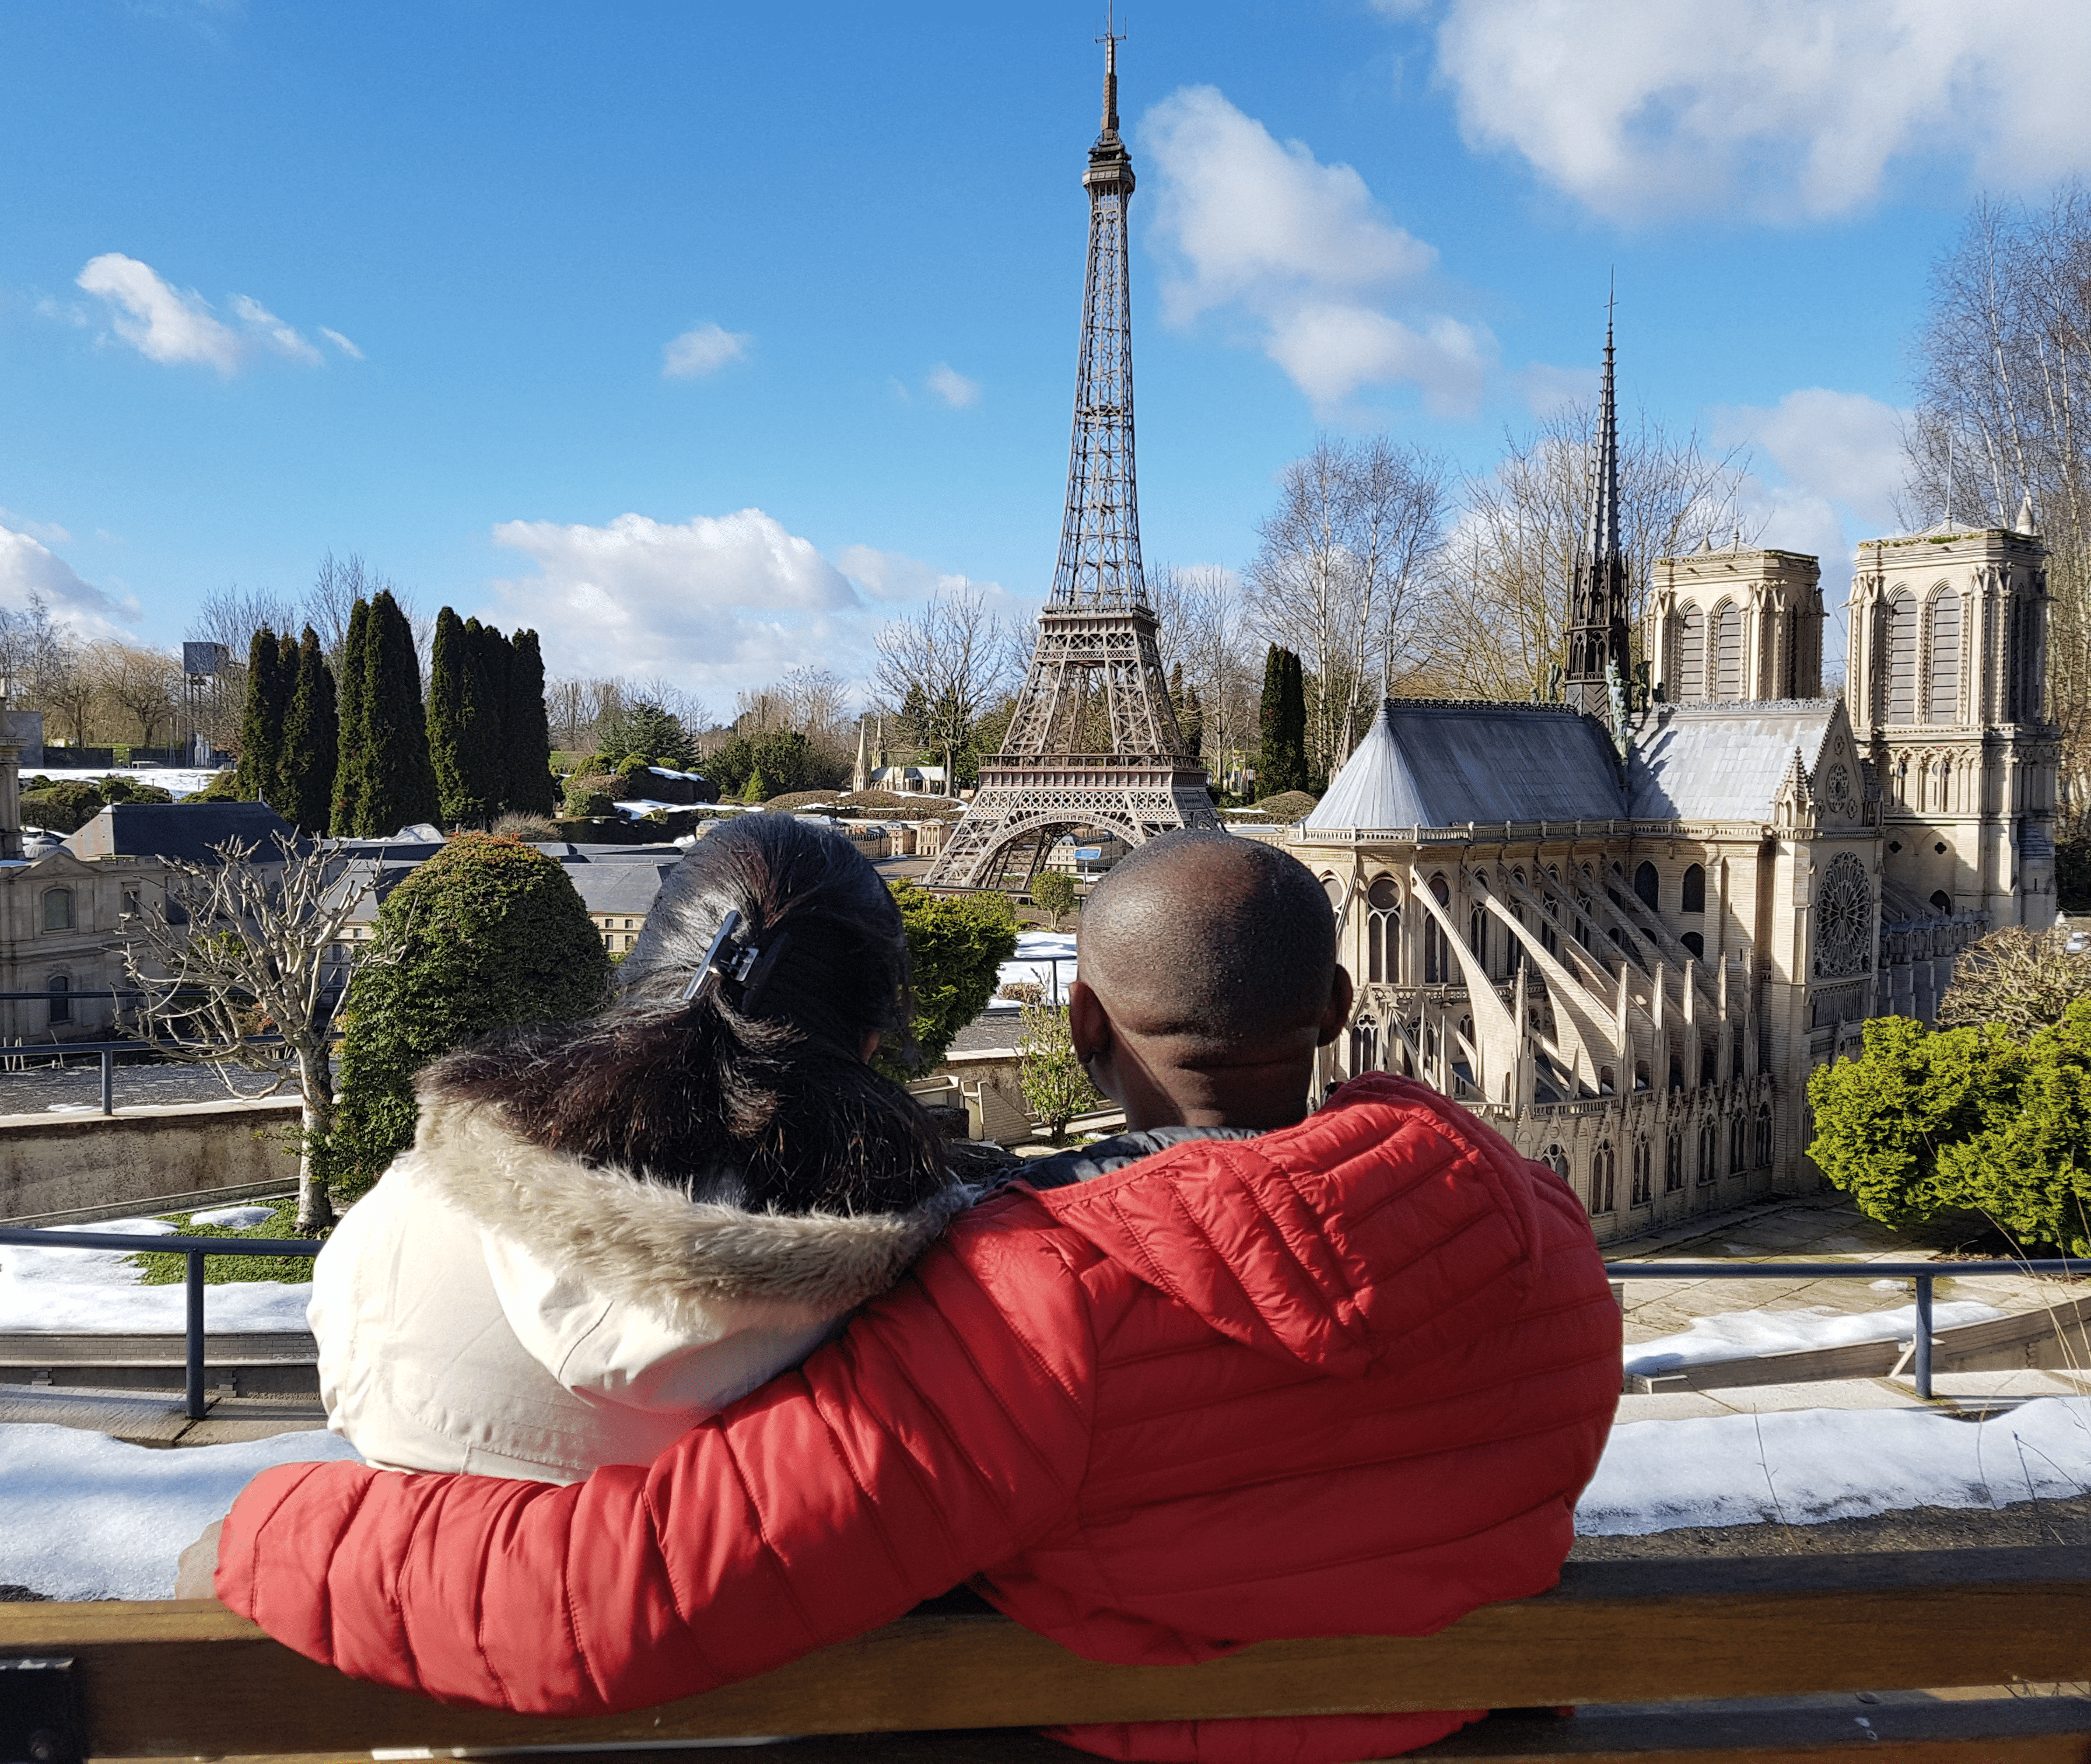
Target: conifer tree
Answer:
pixel 312 740
pixel 396 786
pixel 486 687
pixel 1282 761
pixel 354 707
pixel 261 717
pixel 449 714
pixel 531 788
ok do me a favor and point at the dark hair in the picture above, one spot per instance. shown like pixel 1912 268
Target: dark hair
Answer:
pixel 756 1093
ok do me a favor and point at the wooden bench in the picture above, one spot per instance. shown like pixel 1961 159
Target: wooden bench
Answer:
pixel 190 1680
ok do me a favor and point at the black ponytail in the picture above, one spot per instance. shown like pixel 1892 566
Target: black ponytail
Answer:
pixel 756 1090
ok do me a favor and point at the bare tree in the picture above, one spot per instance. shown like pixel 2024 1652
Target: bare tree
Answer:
pixel 1499 608
pixel 950 658
pixel 1340 576
pixel 41 663
pixel 2003 416
pixel 144 684
pixel 1203 612
pixel 243 949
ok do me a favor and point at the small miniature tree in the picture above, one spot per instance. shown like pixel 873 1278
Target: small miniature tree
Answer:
pixel 310 744
pixel 1054 892
pixel 393 784
pixel 1055 1086
pixel 2019 980
pixel 269 692
pixel 488 934
pixel 352 705
pixel 956 946
pixel 240 949
pixel 526 732
pixel 758 787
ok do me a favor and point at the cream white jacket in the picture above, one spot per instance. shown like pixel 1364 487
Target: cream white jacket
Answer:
pixel 495 1308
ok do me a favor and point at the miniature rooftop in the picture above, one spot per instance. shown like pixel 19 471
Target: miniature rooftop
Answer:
pixel 1722 762
pixel 190 831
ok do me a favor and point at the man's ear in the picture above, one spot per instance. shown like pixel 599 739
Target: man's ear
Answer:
pixel 1339 1010
pixel 1088 1025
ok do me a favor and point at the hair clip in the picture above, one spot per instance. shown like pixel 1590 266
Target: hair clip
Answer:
pixel 709 971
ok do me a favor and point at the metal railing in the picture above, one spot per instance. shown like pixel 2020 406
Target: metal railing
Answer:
pixel 1921 1273
pixel 195 1249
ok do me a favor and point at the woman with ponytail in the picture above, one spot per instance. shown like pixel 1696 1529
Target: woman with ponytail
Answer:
pixel 605 1232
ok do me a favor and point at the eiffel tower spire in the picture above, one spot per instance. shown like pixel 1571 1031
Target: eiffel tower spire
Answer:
pixel 1092 746
pixel 1598 596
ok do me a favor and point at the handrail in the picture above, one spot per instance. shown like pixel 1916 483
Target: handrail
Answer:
pixel 1922 1274
pixel 195 1249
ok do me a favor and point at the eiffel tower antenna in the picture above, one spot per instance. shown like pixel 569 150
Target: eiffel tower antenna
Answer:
pixel 1092 745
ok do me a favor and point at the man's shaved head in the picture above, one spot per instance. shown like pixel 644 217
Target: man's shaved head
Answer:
pixel 1214 942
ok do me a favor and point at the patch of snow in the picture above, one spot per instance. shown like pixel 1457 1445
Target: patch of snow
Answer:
pixel 643 805
pixel 1803 1467
pixel 1031 962
pixel 178 781
pixel 1887 1286
pixel 97 1291
pixel 91 1517
pixel 1747 1335
pixel 232 1218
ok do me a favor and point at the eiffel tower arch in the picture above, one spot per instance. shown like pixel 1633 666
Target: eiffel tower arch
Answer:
pixel 1093 742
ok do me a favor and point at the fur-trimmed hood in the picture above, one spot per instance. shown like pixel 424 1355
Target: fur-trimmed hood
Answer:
pixel 648 1244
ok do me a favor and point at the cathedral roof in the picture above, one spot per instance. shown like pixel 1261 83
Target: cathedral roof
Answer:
pixel 1723 762
pixel 1429 764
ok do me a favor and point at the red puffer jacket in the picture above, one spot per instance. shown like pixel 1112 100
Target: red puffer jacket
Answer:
pixel 1345 1378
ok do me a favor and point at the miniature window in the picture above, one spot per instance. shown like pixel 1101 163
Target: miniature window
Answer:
pixel 1942 699
pixel 1364 1046
pixel 1728 651
pixel 1673 1163
pixel 57 909
pixel 1604 1174
pixel 1707 1146
pixel 1643 1172
pixel 1738 1140
pixel 1437 956
pixel 1691 653
pixel 1764 1137
pixel 1647 886
pixel 1900 695
pixel 59 991
pixel 1607 1084
pixel 1477 935
pixel 1383 931
pixel 1941 900
pixel 1693 941
pixel 1695 888
pixel 1557 1160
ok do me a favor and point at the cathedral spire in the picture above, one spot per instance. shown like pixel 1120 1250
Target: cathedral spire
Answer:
pixel 1597 637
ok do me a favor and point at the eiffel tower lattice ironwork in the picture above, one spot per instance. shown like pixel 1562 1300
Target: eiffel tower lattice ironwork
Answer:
pixel 1093 743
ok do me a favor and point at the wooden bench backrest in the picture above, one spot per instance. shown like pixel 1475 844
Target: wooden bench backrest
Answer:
pixel 184 1680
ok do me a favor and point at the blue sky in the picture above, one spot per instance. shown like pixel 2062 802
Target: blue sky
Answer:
pixel 703 338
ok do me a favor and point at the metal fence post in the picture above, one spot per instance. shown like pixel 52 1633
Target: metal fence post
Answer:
pixel 1924 1336
pixel 194 1343
pixel 108 1081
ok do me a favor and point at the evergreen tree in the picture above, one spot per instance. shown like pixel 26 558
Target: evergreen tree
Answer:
pixel 354 705
pixel 486 686
pixel 1282 761
pixel 488 934
pixel 261 718
pixel 459 744
pixel 528 731
pixel 312 740
pixel 396 787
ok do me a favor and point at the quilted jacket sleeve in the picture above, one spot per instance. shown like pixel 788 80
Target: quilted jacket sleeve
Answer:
pixel 940 1434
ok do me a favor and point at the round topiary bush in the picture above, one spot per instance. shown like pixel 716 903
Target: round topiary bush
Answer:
pixel 487 934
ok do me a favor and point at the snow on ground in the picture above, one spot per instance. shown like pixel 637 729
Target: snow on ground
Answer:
pixel 1802 1467
pixel 1745 1335
pixel 91 1517
pixel 96 1292
pixel 181 781
pixel 232 1218
pixel 1032 948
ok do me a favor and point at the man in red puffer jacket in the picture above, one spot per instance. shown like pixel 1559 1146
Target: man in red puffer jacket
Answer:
pixel 1287 1375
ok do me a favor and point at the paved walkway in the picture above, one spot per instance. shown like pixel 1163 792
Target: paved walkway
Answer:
pixel 156 1417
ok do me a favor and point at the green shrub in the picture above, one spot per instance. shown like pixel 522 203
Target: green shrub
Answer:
pixel 487 934
pixel 1054 892
pixel 1055 1086
pixel 590 798
pixel 65 807
pixel 117 788
pixel 1965 1121
pixel 956 946
pixel 224 787
pixel 170 1267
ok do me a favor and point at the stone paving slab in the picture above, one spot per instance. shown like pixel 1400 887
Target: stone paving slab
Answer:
pixel 1951 1389
pixel 155 1418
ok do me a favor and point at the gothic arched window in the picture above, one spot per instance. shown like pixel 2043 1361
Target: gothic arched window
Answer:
pixel 1899 698
pixel 1383 931
pixel 1691 653
pixel 1942 700
pixel 1604 1176
pixel 1738 1140
pixel 1673 1163
pixel 1706 1150
pixel 1364 1046
pixel 1843 920
pixel 1647 886
pixel 1695 888
pixel 1728 651
pixel 1643 1172
pixel 1763 1159
pixel 1557 1160
pixel 1437 957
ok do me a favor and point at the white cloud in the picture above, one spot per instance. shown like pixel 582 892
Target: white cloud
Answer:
pixel 704 350
pixel 29 568
pixel 160 322
pixel 1841 446
pixel 1547 388
pixel 341 342
pixel 1302 248
pixel 273 331
pixel 1782 108
pixel 952 386
pixel 176 326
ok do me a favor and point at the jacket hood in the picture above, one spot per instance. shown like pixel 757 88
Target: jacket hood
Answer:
pixel 1390 1218
pixel 651 1245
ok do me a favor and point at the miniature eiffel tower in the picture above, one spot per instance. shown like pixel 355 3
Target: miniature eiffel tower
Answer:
pixel 1094 743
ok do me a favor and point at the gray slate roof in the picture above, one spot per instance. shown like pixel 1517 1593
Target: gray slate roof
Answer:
pixel 628 888
pixel 185 830
pixel 1443 764
pixel 1723 762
